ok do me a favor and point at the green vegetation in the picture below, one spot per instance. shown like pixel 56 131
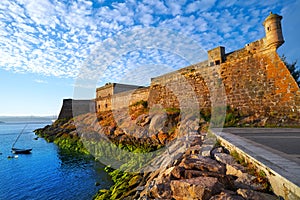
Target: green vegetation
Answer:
pixel 172 110
pixel 293 69
pixel 261 176
pixel 72 144
pixel 123 182
pixel 59 133
pixel 138 108
pixel 141 102
pixel 240 159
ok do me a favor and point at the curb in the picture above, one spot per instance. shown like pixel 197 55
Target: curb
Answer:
pixel 283 174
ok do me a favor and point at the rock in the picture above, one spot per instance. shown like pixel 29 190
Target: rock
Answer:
pixel 161 191
pixel 143 120
pixel 193 150
pixel 162 137
pixel 178 172
pixel 203 164
pixel 219 150
pixel 210 141
pixel 227 195
pixel 193 174
pixel 206 149
pixel 224 158
pixel 140 188
pixel 134 180
pixel 254 195
pixel 197 140
pixel 235 169
pixel 247 181
pixel 157 123
pixel 97 183
pixel 158 184
pixel 195 188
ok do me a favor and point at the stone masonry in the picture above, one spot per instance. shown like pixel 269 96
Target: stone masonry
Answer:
pixel 253 81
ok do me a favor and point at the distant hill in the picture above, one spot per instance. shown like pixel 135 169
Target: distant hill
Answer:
pixel 26 119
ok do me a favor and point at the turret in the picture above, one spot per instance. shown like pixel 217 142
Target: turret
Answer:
pixel 274 37
pixel 216 56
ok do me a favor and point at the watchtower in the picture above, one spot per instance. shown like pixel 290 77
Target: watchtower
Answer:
pixel 216 56
pixel 274 37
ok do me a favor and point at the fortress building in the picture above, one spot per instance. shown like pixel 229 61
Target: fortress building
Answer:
pixel 107 95
pixel 255 80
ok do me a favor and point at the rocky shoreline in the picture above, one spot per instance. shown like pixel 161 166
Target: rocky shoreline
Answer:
pixel 204 170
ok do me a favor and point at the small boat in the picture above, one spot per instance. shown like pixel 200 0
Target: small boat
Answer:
pixel 19 150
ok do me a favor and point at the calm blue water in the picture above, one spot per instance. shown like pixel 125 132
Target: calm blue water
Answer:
pixel 46 173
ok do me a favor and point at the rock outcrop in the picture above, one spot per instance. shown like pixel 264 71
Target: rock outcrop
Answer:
pixel 194 167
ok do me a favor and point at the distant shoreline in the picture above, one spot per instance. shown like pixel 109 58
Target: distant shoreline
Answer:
pixel 26 119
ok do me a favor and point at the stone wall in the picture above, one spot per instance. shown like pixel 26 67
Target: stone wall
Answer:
pixel 72 108
pixel 255 83
pixel 125 99
pixel 117 94
pixel 252 81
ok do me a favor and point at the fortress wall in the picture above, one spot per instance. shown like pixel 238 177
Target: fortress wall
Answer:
pixel 256 84
pixel 103 103
pixel 124 99
pixel 72 108
pixel 178 88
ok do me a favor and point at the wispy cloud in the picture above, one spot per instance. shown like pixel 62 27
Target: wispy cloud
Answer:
pixel 40 81
pixel 56 38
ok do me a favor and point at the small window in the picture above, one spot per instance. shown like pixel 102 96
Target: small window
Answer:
pixel 98 106
pixel 106 105
pixel 217 62
pixel 268 28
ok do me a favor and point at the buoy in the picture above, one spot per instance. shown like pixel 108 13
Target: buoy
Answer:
pixel 15 156
pixel 97 184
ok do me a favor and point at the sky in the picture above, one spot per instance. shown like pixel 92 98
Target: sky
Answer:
pixel 56 49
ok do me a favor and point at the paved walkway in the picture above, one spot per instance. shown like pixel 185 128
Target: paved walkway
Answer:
pixel 277 148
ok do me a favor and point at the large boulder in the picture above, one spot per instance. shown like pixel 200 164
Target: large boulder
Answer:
pixel 157 123
pixel 227 195
pixel 254 195
pixel 203 164
pixel 195 188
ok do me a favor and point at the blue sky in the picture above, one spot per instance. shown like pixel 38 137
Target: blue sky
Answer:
pixel 54 49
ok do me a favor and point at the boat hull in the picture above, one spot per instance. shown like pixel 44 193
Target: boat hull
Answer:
pixel 21 151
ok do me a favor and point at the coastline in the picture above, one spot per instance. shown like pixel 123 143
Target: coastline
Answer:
pixel 205 161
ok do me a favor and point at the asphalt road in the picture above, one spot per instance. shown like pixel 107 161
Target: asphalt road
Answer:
pixel 283 141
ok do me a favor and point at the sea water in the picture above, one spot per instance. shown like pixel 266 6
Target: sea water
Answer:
pixel 48 172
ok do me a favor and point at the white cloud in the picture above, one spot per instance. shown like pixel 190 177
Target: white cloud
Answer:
pixel 57 39
pixel 200 5
pixel 40 81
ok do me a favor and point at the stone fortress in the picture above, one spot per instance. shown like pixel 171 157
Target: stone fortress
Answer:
pixel 253 81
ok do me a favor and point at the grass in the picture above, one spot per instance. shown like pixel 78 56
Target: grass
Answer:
pixel 261 176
